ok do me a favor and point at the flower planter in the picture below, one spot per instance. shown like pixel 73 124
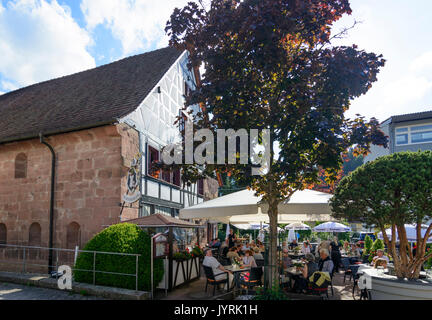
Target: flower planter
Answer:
pixel 386 287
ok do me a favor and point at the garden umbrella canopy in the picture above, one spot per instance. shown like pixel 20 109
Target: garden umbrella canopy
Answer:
pixel 297 226
pixel 411 231
pixel 267 229
pixel 291 235
pixel 331 227
pixel 244 207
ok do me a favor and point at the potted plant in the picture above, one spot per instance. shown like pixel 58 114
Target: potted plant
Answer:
pixel 390 192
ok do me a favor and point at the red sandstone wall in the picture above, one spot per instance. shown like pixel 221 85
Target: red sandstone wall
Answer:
pixel 90 180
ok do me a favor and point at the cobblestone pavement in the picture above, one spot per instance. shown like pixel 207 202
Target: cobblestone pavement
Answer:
pixel 11 291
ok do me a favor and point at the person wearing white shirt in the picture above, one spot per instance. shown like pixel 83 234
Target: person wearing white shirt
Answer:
pixel 305 248
pixel 219 271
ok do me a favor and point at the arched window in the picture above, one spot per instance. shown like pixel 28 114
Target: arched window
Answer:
pixel 35 235
pixel 21 166
pixel 3 234
pixel 73 235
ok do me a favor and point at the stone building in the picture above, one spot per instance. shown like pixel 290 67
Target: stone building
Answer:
pixel 99 123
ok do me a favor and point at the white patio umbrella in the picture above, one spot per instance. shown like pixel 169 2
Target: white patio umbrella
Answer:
pixel 291 235
pixel 331 227
pixel 411 232
pixel 244 207
pixel 267 229
pixel 297 226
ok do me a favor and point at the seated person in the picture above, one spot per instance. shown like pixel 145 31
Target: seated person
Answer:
pixel 354 254
pixel 305 248
pixel 325 264
pixel 293 244
pixel 286 260
pixel 216 243
pixel 219 271
pixel 380 263
pixel 232 253
pixel 257 254
pixel 301 282
pixel 239 249
pixel 380 255
pixel 261 248
pixel 284 245
pixel 248 260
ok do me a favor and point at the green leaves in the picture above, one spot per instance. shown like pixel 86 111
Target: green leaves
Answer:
pixel 392 189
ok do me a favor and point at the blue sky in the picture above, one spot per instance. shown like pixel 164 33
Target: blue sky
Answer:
pixel 45 39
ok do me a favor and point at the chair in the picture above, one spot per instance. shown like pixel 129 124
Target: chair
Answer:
pixel 354 269
pixel 259 262
pixel 321 290
pixel 346 267
pixel 254 280
pixel 212 281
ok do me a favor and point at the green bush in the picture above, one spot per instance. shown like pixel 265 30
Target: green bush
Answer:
pixel 122 238
pixel 368 243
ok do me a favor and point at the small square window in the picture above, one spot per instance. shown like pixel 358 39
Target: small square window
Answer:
pixel 401 139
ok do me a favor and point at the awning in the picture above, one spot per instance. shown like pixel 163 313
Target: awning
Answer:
pixel 244 207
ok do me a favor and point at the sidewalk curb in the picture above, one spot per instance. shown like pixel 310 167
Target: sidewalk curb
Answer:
pixel 44 281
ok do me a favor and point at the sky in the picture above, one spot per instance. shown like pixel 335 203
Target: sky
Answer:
pixel 46 39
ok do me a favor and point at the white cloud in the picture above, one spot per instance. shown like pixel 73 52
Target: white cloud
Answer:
pixel 422 63
pixel 138 24
pixel 39 40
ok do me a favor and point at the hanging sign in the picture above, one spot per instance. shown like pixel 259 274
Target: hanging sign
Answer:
pixel 133 180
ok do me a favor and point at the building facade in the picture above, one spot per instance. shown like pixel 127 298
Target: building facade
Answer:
pixel 408 132
pixel 100 124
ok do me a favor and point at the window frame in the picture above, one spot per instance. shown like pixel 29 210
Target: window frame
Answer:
pixel 409 133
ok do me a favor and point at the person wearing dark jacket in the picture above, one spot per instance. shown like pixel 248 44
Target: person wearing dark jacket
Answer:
pixel 335 254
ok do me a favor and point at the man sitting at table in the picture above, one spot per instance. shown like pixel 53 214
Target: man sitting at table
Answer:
pixel 257 254
pixel 232 253
pixel 325 264
pixel 219 271
pixel 293 244
pixel 380 255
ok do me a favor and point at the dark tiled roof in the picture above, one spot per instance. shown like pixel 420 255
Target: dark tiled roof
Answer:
pixel 83 100
pixel 410 117
pixel 161 220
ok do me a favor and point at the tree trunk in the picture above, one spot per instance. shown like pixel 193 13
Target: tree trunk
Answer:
pixel 273 270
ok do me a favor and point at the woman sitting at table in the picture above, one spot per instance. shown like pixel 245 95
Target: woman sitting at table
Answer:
pixel 301 281
pixel 248 260
pixel 305 248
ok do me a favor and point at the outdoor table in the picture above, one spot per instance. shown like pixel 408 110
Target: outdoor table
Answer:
pixel 292 272
pixel 295 255
pixel 236 273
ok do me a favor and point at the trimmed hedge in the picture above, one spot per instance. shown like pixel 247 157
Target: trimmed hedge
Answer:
pixel 123 238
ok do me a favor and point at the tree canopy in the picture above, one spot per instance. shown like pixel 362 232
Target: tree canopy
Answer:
pixel 271 65
pixel 393 190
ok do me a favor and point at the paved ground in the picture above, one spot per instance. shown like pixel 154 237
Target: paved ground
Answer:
pixel 11 291
pixel 195 290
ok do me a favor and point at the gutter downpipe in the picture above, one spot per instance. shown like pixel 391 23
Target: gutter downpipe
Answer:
pixel 51 214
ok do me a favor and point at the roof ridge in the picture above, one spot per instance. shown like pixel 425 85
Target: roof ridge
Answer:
pixel 84 71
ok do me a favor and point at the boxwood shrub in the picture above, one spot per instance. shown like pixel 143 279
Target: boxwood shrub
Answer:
pixel 123 238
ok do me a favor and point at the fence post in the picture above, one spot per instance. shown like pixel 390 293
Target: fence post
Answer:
pixel 24 260
pixel 136 274
pixel 57 254
pixel 94 267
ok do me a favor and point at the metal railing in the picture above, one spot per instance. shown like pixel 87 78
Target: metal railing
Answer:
pixel 28 259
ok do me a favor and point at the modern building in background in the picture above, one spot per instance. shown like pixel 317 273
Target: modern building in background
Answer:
pixel 407 132
pixel 104 128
